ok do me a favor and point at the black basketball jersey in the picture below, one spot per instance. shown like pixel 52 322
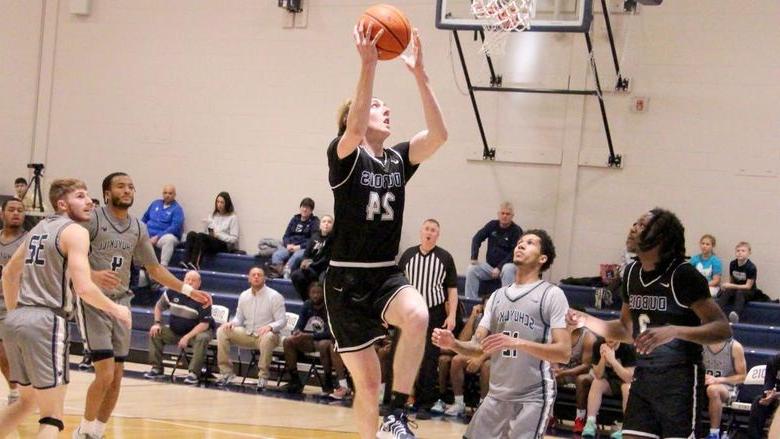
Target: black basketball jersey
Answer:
pixel 663 297
pixel 368 194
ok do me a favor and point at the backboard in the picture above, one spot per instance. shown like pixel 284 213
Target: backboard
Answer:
pixel 551 16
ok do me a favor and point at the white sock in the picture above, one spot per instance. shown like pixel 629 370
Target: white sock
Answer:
pixel 459 400
pixel 592 419
pixel 343 383
pixel 581 413
pixel 99 428
pixel 715 430
pixel 85 427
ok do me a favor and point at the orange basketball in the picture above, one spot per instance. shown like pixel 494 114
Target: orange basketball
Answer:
pixel 398 31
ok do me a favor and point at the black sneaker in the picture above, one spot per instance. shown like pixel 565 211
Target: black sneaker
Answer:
pixel 153 374
pixel 86 363
pixel 396 426
pixel 423 414
pixel 294 387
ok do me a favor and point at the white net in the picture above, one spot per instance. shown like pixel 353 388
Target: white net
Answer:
pixel 501 17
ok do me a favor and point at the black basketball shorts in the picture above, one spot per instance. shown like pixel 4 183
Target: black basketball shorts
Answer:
pixel 666 402
pixel 357 299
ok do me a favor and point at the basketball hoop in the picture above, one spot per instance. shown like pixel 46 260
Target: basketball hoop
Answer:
pixel 501 17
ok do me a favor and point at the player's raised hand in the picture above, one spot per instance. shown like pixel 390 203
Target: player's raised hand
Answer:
pixel 443 338
pixel 414 59
pixel 366 46
pixel 201 297
pixel 498 342
pixel 654 337
pixel 105 279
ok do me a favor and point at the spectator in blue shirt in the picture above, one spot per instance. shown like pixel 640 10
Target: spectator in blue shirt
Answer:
pixel 296 238
pixel 708 264
pixel 164 219
pixel 502 235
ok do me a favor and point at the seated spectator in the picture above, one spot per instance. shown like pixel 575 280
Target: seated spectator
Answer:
pixel 296 238
pixel 21 186
pixel 725 366
pixel 189 324
pixel 164 219
pixel 613 372
pixel 445 361
pixel 708 263
pixel 765 403
pixel 502 235
pixel 741 287
pixel 312 334
pixel 260 317
pixel 315 259
pixel 577 371
pixel 222 236
pixel 462 364
pixel 11 237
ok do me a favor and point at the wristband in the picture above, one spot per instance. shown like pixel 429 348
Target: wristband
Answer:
pixel 157 322
pixel 186 289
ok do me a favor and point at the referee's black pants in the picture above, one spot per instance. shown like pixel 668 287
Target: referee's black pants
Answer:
pixel 426 389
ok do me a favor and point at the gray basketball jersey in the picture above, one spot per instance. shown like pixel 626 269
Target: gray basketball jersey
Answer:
pixel 116 244
pixel 45 280
pixel 529 312
pixel 721 363
pixel 576 350
pixel 7 250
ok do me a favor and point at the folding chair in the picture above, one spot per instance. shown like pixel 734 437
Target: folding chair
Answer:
pixel 220 314
pixel 254 354
pixel 747 391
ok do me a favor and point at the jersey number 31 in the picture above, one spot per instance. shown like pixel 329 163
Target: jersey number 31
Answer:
pixel 374 206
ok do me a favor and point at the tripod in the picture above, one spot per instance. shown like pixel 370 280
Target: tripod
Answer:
pixel 35 184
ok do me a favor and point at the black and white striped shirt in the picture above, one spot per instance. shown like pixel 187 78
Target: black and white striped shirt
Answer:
pixel 431 273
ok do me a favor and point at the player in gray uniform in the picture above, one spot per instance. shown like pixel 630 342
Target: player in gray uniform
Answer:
pixel 37 284
pixel 725 368
pixel 118 240
pixel 11 236
pixel 527 326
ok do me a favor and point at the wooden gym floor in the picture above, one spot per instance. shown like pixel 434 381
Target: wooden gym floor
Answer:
pixel 159 409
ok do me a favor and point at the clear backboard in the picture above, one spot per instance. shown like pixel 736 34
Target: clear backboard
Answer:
pixel 551 16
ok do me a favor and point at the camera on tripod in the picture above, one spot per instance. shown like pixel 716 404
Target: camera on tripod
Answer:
pixel 35 185
pixel 36 167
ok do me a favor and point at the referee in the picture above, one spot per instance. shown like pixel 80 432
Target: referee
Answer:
pixel 432 271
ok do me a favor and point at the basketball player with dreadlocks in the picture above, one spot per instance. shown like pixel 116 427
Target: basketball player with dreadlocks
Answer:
pixel 668 313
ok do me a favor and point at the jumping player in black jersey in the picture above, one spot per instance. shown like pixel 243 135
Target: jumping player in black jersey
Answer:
pixel 364 289
pixel 668 313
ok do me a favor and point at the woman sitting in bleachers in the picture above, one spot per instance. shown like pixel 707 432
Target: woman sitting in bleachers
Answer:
pixel 221 233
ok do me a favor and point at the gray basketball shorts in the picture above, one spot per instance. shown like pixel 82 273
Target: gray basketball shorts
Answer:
pixel 510 419
pixel 37 345
pixel 3 313
pixel 104 335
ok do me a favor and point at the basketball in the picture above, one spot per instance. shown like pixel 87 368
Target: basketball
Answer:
pixel 397 29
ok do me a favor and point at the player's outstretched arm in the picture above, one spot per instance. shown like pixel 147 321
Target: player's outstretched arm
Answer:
pixel 620 330
pixel 164 277
pixel 357 118
pixel 444 339
pixel 74 243
pixel 427 141
pixel 714 328
pixel 12 277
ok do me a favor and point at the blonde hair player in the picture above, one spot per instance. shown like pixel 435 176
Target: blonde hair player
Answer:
pixel 364 288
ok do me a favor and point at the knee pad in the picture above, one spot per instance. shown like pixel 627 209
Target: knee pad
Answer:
pixel 52 421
